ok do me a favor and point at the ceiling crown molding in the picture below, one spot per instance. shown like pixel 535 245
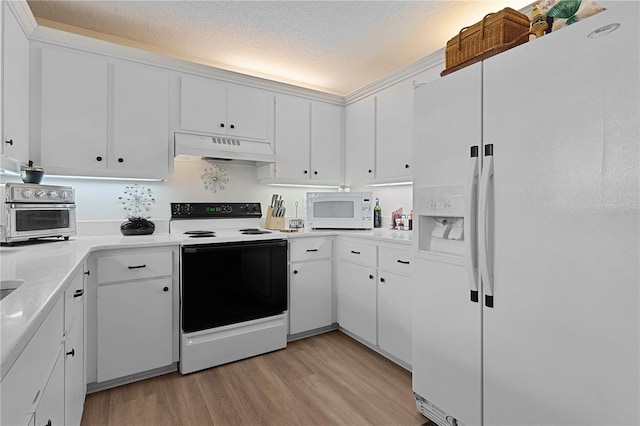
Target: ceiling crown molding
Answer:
pixel 23 14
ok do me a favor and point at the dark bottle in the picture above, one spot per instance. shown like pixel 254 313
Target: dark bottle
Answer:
pixel 377 215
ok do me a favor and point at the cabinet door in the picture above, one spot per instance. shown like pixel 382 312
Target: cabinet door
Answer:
pixel 357 300
pixel 247 112
pixel 360 140
pixel 74 381
pixel 394 315
pixel 134 327
pixel 293 121
pixel 326 142
pixel 141 120
pixel 50 409
pixel 74 110
pixel 310 296
pixel 394 109
pixel 203 105
pixel 15 88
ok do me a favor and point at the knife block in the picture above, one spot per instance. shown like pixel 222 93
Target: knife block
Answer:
pixel 271 222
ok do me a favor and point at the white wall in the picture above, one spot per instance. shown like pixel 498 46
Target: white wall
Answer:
pixel 97 200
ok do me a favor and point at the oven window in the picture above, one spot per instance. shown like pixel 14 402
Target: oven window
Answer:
pixel 40 220
pixel 333 209
pixel 229 283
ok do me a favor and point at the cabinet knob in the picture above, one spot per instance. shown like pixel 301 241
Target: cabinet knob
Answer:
pixel 306 171
pixel 233 126
pixel 48 423
pixel 88 273
pixel 406 166
pixel 165 289
pixel 120 160
pixel 295 272
pixel 10 141
pixel 98 158
pixel 221 124
pixel 370 171
pixel 72 352
pixel 370 277
pixel 315 173
pixel 381 280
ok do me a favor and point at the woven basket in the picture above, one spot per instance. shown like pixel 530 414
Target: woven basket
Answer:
pixel 502 28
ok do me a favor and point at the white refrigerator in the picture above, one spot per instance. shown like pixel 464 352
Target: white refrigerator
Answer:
pixel 526 232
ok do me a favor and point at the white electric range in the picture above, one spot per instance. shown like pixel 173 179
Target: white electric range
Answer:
pixel 233 284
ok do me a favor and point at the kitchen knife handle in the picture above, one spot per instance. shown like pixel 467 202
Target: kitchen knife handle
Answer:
pixel 483 224
pixel 470 224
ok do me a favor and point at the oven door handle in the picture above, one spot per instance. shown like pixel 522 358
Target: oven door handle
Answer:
pixel 226 246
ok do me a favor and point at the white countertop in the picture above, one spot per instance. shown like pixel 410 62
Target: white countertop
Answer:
pixel 46 269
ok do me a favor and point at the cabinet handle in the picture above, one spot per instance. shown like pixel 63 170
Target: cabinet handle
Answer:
pixel 72 352
pixel 311 250
pixel 306 171
pixel 221 124
pixel 78 293
pixel 137 266
pixel 165 289
pixel 88 273
pixel 404 262
pixel 98 158
pixel 381 280
pixel 233 126
pixel 406 166
pixel 10 142
pixel 370 171
pixel 48 423
pixel 315 173
pixel 295 272
pixel 370 277
pixel 355 252
pixel 120 160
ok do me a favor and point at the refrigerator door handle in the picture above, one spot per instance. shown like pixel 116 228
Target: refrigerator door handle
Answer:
pixel 470 223
pixel 483 232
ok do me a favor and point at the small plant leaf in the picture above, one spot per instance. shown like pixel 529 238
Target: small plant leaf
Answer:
pixel 564 9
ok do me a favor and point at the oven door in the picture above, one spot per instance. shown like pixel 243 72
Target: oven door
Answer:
pixel 25 221
pixel 229 283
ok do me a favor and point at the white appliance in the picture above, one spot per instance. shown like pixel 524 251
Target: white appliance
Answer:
pixel 233 284
pixel 530 314
pixel 221 148
pixel 340 210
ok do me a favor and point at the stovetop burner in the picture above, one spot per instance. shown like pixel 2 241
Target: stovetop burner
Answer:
pixel 253 231
pixel 200 234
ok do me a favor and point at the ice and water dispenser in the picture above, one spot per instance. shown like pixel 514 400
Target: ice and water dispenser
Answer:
pixel 440 218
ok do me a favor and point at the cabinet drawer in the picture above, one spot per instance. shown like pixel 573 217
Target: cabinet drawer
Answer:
pixel 357 252
pixel 309 249
pixel 396 260
pixel 73 298
pixel 134 266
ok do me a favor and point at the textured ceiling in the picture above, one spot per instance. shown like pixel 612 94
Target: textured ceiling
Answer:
pixel 333 46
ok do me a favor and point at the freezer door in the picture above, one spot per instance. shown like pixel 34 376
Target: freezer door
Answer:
pixel 446 323
pixel 561 343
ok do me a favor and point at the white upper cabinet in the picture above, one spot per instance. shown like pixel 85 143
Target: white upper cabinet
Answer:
pixel 73 111
pixel 360 141
pixel 308 143
pixel 394 110
pixel 103 118
pixel 211 106
pixel 141 119
pixel 15 87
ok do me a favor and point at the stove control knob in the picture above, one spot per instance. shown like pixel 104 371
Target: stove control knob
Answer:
pixel 26 193
pixel 40 193
pixel 64 195
pixel 53 195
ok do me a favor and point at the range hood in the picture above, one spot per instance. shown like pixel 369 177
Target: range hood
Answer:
pixel 223 148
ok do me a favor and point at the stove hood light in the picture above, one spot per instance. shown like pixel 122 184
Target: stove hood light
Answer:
pixel 391 184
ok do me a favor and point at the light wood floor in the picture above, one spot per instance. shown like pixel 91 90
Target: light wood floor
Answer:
pixel 328 379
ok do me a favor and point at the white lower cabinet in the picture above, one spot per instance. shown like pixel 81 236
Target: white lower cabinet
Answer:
pixel 374 294
pixel 134 327
pixel 135 322
pixel 310 284
pixel 50 410
pixel 74 378
pixel 357 300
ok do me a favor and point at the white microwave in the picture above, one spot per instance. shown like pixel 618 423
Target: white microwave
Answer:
pixel 339 210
